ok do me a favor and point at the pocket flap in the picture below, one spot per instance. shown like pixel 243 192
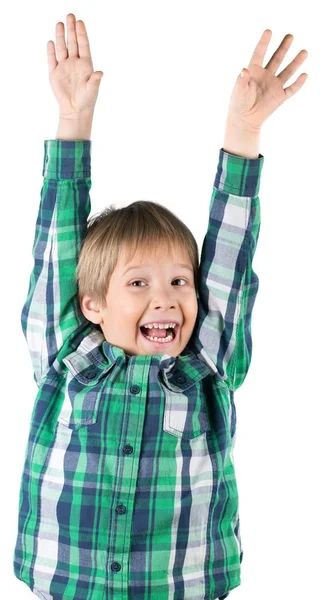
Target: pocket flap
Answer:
pixel 188 371
pixel 85 368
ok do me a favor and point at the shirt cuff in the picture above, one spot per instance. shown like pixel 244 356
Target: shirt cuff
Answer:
pixel 67 159
pixel 237 175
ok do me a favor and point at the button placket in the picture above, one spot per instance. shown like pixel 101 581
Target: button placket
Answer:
pixel 121 509
pixel 128 449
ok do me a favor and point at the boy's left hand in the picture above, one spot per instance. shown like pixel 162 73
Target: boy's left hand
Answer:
pixel 260 92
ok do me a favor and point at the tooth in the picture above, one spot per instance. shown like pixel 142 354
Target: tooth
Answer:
pixel 160 325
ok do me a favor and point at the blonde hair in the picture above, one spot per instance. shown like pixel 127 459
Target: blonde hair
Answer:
pixel 144 225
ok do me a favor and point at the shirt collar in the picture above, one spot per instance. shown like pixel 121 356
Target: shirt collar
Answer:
pixel 93 356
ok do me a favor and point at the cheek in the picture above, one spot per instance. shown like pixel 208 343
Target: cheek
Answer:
pixel 194 306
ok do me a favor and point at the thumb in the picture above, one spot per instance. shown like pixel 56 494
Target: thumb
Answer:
pixel 245 75
pixel 96 77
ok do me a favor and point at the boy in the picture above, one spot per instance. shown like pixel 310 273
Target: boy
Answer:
pixel 128 489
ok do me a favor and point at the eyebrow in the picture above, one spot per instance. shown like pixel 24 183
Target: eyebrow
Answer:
pixel 149 266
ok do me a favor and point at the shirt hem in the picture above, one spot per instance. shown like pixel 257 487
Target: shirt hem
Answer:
pixel 43 595
pixel 234 584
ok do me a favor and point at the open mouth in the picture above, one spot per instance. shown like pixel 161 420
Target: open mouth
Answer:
pixel 170 332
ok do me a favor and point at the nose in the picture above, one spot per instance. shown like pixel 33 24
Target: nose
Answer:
pixel 163 297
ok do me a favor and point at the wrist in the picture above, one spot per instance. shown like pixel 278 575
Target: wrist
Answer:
pixel 74 127
pixel 241 140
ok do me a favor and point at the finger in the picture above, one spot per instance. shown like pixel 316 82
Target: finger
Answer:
pixel 279 54
pixel 261 48
pixel 295 87
pixel 292 67
pixel 51 58
pixel 71 35
pixel 83 42
pixel 61 49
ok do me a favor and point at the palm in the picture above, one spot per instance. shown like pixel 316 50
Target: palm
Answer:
pixel 255 98
pixel 69 83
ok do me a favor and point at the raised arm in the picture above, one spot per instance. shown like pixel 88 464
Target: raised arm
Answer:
pixel 227 282
pixel 51 311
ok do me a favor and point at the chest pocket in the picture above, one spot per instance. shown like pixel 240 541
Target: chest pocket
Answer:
pixel 185 413
pixel 83 391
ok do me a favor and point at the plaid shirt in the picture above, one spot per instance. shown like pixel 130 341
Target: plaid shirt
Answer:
pixel 128 488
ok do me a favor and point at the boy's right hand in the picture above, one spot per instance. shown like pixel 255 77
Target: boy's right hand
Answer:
pixel 72 77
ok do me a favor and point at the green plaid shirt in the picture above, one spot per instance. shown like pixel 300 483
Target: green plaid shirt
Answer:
pixel 128 489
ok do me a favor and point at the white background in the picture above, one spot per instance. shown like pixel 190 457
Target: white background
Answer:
pixel 169 69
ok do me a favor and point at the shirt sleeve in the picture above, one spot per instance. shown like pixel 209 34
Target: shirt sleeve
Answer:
pixel 227 283
pixel 51 311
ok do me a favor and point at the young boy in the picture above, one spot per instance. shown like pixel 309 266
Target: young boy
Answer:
pixel 128 489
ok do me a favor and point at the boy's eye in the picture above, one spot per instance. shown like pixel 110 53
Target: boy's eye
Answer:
pixel 140 281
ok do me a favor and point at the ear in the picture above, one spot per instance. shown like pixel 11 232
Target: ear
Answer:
pixel 91 310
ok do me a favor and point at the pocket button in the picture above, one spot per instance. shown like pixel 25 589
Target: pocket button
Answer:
pixel 90 375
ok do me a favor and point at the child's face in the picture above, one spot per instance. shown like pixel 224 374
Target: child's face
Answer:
pixel 158 290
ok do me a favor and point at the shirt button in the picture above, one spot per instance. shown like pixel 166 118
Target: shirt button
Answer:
pixel 115 566
pixel 135 389
pixel 127 449
pixel 90 375
pixel 181 379
pixel 120 509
